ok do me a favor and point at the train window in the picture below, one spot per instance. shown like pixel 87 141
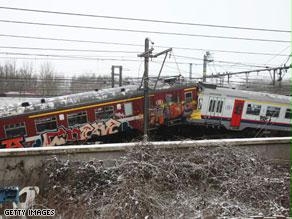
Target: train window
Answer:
pixel 288 114
pixel 219 106
pixel 212 105
pixel 46 124
pixel 253 109
pixel 273 111
pixel 15 130
pixel 77 118
pixel 170 98
pixel 188 97
pixel 200 101
pixel 106 112
pixel 128 109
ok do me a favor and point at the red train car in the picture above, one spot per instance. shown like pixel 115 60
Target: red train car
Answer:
pixel 92 115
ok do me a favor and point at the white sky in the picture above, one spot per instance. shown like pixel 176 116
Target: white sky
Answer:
pixel 272 14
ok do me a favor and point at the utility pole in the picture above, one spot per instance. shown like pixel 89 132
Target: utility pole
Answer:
pixel 206 60
pixel 274 77
pixel 228 78
pixel 191 70
pixel 146 90
pixel 148 54
pixel 246 80
pixel 280 78
pixel 119 74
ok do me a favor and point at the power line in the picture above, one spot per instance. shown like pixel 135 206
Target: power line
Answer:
pixel 137 45
pixel 276 55
pixel 146 20
pixel 69 50
pixel 122 51
pixel 69 58
pixel 246 72
pixel 227 51
pixel 228 62
pixel 70 40
pixel 80 57
pixel 145 31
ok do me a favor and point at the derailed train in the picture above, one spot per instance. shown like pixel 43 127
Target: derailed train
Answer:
pixel 91 116
pixel 240 110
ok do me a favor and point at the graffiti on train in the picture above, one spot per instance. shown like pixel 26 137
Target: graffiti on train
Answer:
pixel 63 135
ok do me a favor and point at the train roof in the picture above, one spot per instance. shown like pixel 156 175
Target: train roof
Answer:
pixel 54 103
pixel 249 95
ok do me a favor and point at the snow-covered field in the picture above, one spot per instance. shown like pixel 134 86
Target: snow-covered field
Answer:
pixel 5 101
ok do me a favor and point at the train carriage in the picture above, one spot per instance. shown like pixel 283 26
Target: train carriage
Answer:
pixel 240 110
pixel 91 116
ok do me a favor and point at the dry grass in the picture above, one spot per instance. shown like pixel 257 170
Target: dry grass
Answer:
pixel 151 183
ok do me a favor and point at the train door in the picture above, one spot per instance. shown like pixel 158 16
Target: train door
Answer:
pixel 188 103
pixel 237 113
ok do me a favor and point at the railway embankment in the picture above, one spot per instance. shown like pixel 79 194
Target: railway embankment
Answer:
pixel 19 166
pixel 152 181
pixel 206 178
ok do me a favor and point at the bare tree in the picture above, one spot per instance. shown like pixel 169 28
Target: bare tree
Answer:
pixel 87 82
pixel 27 81
pixel 8 75
pixel 47 83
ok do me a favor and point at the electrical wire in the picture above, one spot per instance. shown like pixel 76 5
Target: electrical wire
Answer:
pixel 68 50
pixel 145 20
pixel 121 51
pixel 145 31
pixel 137 45
pixel 228 62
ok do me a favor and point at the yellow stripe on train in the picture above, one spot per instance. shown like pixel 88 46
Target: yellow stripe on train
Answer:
pixel 84 107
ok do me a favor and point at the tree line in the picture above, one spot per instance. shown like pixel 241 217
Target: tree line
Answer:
pixel 26 80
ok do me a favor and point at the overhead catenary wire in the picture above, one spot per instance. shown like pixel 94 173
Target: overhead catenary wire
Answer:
pixel 60 80
pixel 67 58
pixel 137 45
pixel 69 50
pixel 145 31
pixel 146 20
pixel 226 61
pixel 121 51
pixel 82 57
pixel 279 53
pixel 246 72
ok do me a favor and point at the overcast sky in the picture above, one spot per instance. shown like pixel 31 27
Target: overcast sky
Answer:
pixel 270 14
